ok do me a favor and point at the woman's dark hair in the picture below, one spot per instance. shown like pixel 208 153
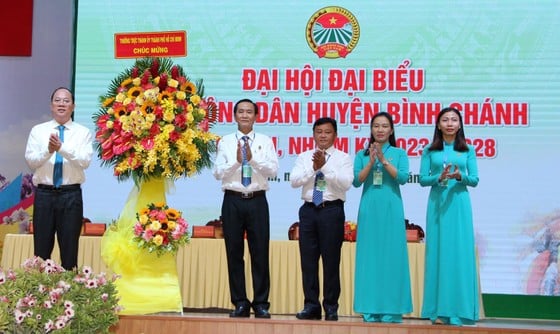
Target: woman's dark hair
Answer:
pixel 392 140
pixel 246 100
pixel 460 143
pixel 325 120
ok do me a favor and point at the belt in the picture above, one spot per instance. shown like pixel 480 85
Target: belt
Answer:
pixel 246 195
pixel 325 204
pixel 59 188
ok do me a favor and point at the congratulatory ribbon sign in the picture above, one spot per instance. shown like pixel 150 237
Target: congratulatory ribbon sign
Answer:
pixel 151 44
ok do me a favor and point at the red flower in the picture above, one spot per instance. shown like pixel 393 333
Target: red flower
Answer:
pixel 162 82
pixel 175 72
pixel 174 136
pixel 154 130
pixel 180 120
pixel 145 78
pixel 154 68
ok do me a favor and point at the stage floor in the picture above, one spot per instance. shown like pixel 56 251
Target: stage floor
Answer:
pixel 409 325
pixel 534 324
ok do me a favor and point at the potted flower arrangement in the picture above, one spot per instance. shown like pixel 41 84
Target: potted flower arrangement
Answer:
pixel 41 297
pixel 153 126
pixel 160 229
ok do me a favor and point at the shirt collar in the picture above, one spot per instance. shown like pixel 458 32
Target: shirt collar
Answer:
pixel 67 125
pixel 240 135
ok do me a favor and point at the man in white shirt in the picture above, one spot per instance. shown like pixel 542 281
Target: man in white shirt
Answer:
pixel 325 174
pixel 58 152
pixel 244 162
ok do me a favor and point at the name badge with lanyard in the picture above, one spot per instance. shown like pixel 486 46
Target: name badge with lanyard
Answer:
pixel 378 173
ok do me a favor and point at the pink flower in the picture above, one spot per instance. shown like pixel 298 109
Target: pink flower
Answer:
pixel 148 143
pixel 49 326
pixel 148 235
pixel 69 312
pixel 19 316
pixel 204 125
pixel 91 284
pixel 87 270
pixel 138 229
pixel 60 323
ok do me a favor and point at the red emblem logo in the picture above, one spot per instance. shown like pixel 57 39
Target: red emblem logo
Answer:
pixel 332 32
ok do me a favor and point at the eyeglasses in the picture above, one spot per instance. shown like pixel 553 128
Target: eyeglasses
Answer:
pixel 63 101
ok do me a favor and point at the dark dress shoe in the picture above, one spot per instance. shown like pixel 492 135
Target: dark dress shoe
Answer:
pixel 261 312
pixel 241 311
pixel 309 314
pixel 331 316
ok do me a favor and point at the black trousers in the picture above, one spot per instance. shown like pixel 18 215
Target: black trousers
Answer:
pixel 250 215
pixel 321 233
pixel 60 212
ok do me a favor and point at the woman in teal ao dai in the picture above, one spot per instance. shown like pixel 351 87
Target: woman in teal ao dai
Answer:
pixel 448 166
pixel 382 278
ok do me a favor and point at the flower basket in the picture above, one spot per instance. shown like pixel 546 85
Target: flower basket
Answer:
pixel 160 229
pixel 41 297
pixel 350 231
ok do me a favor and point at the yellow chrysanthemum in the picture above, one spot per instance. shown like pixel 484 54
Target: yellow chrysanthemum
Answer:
pixel 190 118
pixel 168 115
pixel 136 81
pixel 195 99
pixel 180 95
